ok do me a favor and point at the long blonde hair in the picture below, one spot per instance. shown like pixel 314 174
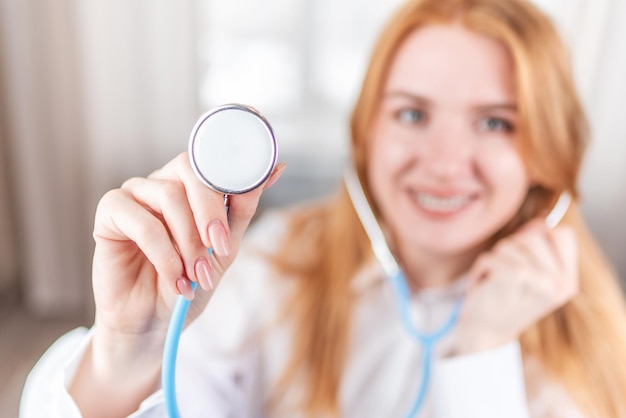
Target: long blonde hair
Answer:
pixel 576 345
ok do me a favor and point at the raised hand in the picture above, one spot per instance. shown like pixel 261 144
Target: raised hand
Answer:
pixel 152 236
pixel 522 279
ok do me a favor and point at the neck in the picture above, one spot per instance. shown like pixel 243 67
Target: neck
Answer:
pixel 429 270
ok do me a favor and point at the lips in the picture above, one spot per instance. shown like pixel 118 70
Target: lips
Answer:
pixel 443 203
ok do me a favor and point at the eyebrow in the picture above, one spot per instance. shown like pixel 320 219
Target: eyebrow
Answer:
pixel 510 107
pixel 482 108
pixel 406 95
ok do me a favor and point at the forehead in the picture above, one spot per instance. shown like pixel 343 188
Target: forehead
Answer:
pixel 452 62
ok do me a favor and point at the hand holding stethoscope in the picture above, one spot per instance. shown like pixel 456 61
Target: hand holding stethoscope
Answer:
pixel 523 278
pixel 152 236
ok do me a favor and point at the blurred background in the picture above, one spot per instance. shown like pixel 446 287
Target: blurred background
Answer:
pixel 94 92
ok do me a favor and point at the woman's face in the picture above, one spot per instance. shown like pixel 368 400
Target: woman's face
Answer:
pixel 443 166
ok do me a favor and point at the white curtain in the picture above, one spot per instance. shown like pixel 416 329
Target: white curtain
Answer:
pixel 604 176
pixel 8 262
pixel 94 92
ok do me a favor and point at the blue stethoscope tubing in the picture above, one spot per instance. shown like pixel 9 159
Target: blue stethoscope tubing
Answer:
pixel 426 340
pixel 401 289
pixel 170 351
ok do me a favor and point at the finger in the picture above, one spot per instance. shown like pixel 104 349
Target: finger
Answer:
pixel 496 272
pixel 479 269
pixel 513 284
pixel 168 199
pixel 206 204
pixel 536 244
pixel 120 218
pixel 565 243
pixel 512 252
pixel 536 265
pixel 243 207
pixel 276 174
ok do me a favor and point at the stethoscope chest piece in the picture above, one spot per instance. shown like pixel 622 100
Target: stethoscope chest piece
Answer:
pixel 232 149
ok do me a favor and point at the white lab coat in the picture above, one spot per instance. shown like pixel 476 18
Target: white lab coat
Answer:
pixel 227 369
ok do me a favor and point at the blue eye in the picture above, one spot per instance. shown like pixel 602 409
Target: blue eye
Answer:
pixel 492 124
pixel 410 116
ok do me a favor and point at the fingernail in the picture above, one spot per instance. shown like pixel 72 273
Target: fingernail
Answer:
pixel 280 168
pixel 203 273
pixel 219 240
pixel 183 285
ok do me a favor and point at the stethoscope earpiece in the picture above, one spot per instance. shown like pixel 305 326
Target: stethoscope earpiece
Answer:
pixel 558 211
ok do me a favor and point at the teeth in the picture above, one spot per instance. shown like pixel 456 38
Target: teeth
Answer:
pixel 441 204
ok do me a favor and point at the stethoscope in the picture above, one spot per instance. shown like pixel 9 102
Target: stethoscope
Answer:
pixel 233 150
pixel 394 273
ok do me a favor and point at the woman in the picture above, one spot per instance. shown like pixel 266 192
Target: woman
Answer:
pixel 466 131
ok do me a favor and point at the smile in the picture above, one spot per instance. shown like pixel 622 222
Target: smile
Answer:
pixel 442 204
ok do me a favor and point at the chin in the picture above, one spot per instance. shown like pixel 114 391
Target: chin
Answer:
pixel 452 242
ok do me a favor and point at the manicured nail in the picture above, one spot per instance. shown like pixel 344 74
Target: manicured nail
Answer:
pixel 218 237
pixel 203 273
pixel 280 169
pixel 183 285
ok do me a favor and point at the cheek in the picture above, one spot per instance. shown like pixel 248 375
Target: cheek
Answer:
pixel 385 159
pixel 506 174
pixel 385 162
pixel 386 156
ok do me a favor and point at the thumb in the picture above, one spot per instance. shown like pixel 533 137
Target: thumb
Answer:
pixel 479 270
pixel 243 207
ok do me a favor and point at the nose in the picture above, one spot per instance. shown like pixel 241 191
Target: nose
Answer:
pixel 448 153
